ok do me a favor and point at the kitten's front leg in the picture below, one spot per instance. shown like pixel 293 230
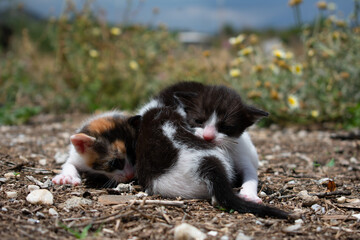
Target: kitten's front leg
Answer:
pixel 68 175
pixel 246 162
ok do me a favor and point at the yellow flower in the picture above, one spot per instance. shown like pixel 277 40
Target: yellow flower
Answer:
pixel 93 53
pixel 274 68
pixel 133 65
pixel 315 113
pixel 237 40
pixel 279 53
pixel 267 84
pixel 235 72
pixel 311 52
pixel 246 51
pixel 344 75
pixel 294 2
pixel 297 69
pixel 237 61
pixel 115 31
pixel 254 94
pixel 258 68
pixel 321 5
pixel 206 53
pixel 253 39
pixel 289 55
pixel 293 102
pixel 274 95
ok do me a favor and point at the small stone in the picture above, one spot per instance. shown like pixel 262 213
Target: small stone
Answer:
pixel 262 194
pixel 124 188
pixel 292 182
pixel 11 194
pixel 75 202
pixel 292 228
pixel 357 216
pixel 40 215
pixel 115 199
pixel 224 237
pixel 10 175
pixel 53 212
pixel 318 229
pixel 40 196
pixel 299 221
pixel 307 199
pixel 42 162
pixel 3 180
pixel 213 233
pixel 34 221
pixel 186 231
pixel 353 160
pixel 4 209
pixel 61 157
pixel 32 188
pixel 242 236
pixel 141 195
pixel 341 199
pixel 315 207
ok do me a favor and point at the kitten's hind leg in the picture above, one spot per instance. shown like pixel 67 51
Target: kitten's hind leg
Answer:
pixel 214 175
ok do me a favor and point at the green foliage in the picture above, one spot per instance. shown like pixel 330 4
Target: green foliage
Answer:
pixel 81 63
pixel 331 163
pixel 321 84
pixel 76 233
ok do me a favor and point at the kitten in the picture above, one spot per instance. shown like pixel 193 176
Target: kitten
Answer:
pixel 173 162
pixel 218 115
pixel 103 148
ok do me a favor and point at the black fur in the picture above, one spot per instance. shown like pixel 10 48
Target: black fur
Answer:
pixel 213 172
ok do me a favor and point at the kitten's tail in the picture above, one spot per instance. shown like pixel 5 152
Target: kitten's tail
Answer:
pixel 212 171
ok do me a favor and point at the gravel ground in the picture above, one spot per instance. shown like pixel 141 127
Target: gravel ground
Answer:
pixel 303 171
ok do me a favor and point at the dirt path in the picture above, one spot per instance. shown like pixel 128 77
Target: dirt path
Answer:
pixel 291 161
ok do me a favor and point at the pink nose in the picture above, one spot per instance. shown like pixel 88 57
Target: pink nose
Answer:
pixel 209 133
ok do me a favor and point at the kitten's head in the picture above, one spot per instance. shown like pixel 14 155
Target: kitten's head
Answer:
pixel 218 113
pixel 106 145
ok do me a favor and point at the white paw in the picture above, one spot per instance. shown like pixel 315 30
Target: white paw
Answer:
pixel 248 196
pixel 66 179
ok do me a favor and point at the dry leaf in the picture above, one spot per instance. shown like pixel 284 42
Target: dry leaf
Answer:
pixel 331 186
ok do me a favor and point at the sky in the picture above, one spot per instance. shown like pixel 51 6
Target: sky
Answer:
pixel 194 15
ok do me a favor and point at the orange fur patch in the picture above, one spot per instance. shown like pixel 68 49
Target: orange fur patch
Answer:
pixel 90 158
pixel 101 125
pixel 120 145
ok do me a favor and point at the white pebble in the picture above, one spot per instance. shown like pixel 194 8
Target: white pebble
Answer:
pixel 32 188
pixel 10 175
pixel 299 221
pixel 213 233
pixel 316 207
pixel 42 162
pixel 292 228
pixel 242 236
pixel 11 194
pixel 53 212
pixel 341 199
pixel 61 157
pixel 186 231
pixel 262 194
pixel 40 196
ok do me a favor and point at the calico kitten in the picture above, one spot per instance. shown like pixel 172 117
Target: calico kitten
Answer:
pixel 173 162
pixel 218 115
pixel 103 148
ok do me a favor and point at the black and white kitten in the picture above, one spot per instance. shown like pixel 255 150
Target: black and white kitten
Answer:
pixel 102 148
pixel 174 162
pixel 218 115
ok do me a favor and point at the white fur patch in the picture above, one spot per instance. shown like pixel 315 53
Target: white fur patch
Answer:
pixel 154 103
pixel 183 178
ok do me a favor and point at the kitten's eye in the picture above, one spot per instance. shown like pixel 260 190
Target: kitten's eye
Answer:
pixel 117 163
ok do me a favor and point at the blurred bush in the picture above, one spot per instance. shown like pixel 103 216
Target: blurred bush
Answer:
pixel 79 62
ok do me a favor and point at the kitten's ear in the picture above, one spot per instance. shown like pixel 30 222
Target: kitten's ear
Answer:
pixel 254 114
pixel 135 121
pixel 184 98
pixel 82 142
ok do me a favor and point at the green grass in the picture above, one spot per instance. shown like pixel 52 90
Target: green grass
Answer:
pixel 80 63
